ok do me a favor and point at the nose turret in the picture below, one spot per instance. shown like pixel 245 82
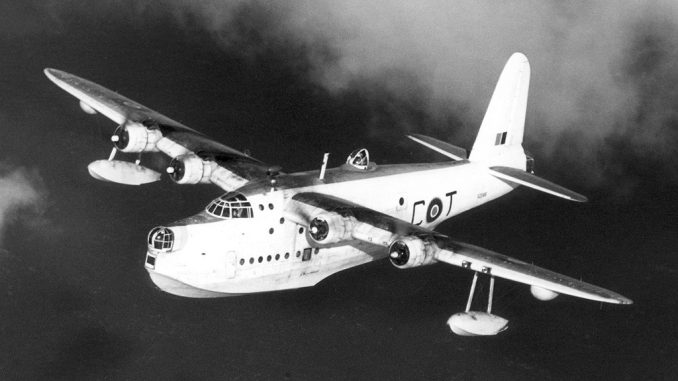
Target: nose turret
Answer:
pixel 160 240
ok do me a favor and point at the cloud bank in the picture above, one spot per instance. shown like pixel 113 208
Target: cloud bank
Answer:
pixel 601 70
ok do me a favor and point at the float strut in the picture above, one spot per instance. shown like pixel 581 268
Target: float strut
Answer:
pixel 473 290
pixel 112 155
pixel 489 297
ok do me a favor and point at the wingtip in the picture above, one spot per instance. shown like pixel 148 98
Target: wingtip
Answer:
pixel 51 73
pixel 579 198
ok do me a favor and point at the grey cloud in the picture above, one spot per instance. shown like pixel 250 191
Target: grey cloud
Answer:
pixel 600 69
pixel 22 198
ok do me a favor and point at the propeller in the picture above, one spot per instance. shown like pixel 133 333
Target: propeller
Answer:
pixel 399 253
pixel 318 229
pixel 120 139
pixel 176 169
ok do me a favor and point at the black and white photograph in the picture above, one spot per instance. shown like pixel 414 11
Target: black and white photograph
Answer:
pixel 338 190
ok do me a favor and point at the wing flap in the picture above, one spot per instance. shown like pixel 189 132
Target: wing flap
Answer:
pixel 531 181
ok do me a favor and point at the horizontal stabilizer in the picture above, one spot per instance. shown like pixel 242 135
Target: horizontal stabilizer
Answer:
pixel 447 149
pixel 531 181
pixel 122 172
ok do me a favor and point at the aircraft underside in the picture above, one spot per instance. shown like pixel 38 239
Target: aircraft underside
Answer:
pixel 281 274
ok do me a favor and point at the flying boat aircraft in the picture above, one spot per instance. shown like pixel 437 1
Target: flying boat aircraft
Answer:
pixel 272 230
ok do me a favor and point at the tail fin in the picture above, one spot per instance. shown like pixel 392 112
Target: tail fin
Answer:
pixel 500 137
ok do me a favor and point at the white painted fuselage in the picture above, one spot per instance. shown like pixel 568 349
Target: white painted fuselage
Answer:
pixel 214 257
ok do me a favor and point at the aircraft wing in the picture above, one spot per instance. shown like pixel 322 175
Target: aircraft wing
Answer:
pixel 380 229
pixel 177 139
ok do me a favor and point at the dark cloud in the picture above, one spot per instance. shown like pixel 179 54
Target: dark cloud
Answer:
pixel 91 353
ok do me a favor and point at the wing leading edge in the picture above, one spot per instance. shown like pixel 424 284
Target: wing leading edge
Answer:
pixel 386 229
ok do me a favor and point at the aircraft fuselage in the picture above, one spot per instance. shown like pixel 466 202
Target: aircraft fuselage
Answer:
pixel 215 257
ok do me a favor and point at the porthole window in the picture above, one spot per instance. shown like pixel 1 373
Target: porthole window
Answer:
pixel 261 259
pixel 282 220
pixel 251 260
pixel 270 231
pixel 277 256
pixel 287 255
pixel 242 261
pixel 261 207
pixel 268 259
pixel 317 250
pixel 270 206
pixel 298 254
pixel 301 230
pixel 401 201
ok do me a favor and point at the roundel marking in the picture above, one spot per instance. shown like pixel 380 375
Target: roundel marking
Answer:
pixel 435 208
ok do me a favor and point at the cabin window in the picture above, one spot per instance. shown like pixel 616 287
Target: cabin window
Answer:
pixel 150 261
pixel 307 254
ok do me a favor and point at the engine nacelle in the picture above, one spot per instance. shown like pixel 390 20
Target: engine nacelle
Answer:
pixel 410 252
pixel 542 293
pixel 135 138
pixel 189 169
pixel 329 228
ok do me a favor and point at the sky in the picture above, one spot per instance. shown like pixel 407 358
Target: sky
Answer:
pixel 289 81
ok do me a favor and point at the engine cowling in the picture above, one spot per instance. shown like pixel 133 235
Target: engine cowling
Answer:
pixel 329 228
pixel 135 138
pixel 189 169
pixel 408 252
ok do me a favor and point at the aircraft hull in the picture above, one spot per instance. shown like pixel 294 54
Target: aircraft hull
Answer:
pixel 271 252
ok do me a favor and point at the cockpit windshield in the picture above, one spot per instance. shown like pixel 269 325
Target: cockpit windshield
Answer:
pixel 230 205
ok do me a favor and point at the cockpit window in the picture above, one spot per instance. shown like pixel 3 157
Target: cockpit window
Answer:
pixel 359 159
pixel 230 205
